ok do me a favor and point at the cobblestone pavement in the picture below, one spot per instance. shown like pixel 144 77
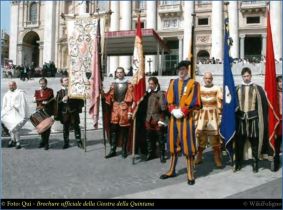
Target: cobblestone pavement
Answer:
pixel 35 173
pixel 72 173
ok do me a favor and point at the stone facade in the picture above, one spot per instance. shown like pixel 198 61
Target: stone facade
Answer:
pixel 5 39
pixel 38 31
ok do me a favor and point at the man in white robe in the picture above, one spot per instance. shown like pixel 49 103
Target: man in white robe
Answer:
pixel 14 113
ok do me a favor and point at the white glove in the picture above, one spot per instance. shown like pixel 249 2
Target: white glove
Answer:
pixel 160 123
pixel 177 113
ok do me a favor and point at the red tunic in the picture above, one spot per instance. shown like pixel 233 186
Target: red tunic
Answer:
pixel 43 95
pixel 120 111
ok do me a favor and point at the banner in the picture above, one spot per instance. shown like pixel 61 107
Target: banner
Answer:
pixel 271 86
pixel 230 102
pixel 81 41
pixel 96 78
pixel 138 68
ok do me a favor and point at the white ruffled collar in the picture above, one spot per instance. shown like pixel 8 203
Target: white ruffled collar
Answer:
pixel 247 84
pixel 149 90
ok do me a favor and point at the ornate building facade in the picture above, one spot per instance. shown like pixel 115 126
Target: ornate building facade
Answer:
pixel 5 39
pixel 38 31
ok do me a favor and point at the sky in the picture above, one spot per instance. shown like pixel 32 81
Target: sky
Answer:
pixel 5 16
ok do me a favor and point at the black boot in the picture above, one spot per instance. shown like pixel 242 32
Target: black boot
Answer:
pixel 66 137
pixel 275 164
pixel 162 147
pixel 41 144
pixel 66 144
pixel 237 165
pixel 125 136
pixel 77 130
pixel 112 152
pixel 124 148
pixel 46 139
pixel 149 154
pixel 79 143
pixel 255 165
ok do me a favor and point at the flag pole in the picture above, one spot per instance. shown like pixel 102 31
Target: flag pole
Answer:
pixel 191 56
pixel 138 12
pixel 134 141
pixel 85 123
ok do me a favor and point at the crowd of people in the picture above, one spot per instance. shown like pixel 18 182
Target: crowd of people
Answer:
pixel 188 115
pixel 250 60
pixel 27 72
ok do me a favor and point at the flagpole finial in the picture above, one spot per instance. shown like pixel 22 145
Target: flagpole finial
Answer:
pixel 138 11
pixel 110 12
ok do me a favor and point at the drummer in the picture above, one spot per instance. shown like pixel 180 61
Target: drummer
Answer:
pixel 15 109
pixel 44 99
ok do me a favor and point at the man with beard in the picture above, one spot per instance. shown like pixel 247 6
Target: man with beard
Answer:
pixel 120 97
pixel 14 113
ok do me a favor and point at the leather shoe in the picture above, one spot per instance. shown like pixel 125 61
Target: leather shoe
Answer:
pixel 255 167
pixel 66 146
pixel 46 147
pixel 41 145
pixel 162 159
pixel 11 144
pixel 191 182
pixel 149 157
pixel 275 164
pixel 111 154
pixel 238 167
pixel 166 176
pixel 18 146
pixel 124 155
pixel 80 144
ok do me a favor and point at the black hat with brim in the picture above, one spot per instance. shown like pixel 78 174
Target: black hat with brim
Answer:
pixel 183 64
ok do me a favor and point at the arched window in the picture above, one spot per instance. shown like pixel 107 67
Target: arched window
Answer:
pixel 202 56
pixel 33 13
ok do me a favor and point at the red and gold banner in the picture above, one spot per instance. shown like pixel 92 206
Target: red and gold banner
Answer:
pixel 138 68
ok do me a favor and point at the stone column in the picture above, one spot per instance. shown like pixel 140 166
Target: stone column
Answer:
pixel 114 26
pixel 82 7
pixel 263 47
pixel 19 54
pixel 276 27
pixel 233 28
pixel 49 31
pixel 217 30
pixel 188 20
pixel 14 33
pixel 40 62
pixel 151 23
pixel 242 46
pixel 125 24
pixel 180 38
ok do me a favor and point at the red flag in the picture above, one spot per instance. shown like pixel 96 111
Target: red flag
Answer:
pixel 95 79
pixel 271 86
pixel 138 68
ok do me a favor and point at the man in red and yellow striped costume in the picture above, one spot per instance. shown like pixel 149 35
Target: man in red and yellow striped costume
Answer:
pixel 183 97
